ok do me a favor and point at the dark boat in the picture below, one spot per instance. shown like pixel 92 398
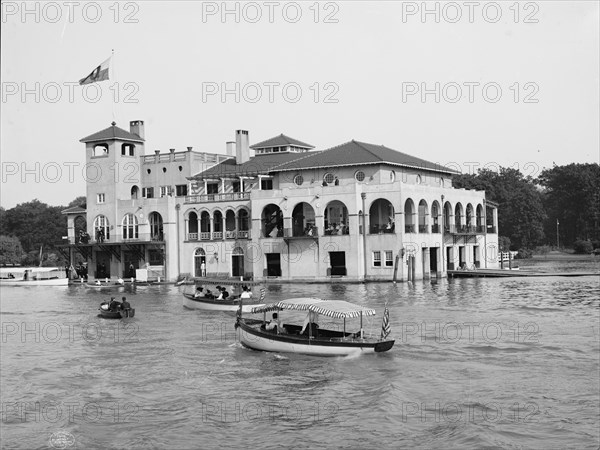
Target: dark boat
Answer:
pixel 118 314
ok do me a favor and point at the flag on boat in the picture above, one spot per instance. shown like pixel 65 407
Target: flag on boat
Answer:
pixel 263 293
pixel 385 324
pixel 100 73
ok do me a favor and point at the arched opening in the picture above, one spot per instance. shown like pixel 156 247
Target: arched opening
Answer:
pixel 156 227
pixel 230 232
pixel 423 217
pixel 204 226
pixel 458 217
pixel 303 220
pixel 130 227
pixel 199 263
pixel 447 217
pixel 192 226
pixel 100 150
pixel 435 217
pixel 217 225
pixel 272 221
pixel 127 150
pixel 381 217
pixel 469 218
pixel 243 224
pixel 480 219
pixel 101 229
pixel 409 217
pixel 135 192
pixel 80 230
pixel 336 218
pixel 237 262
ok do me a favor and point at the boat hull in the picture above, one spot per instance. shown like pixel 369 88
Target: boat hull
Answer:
pixel 48 282
pixel 253 337
pixel 121 314
pixel 216 305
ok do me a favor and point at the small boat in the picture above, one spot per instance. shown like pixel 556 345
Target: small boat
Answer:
pixel 118 314
pixel 317 341
pixel 33 276
pixel 104 285
pixel 231 303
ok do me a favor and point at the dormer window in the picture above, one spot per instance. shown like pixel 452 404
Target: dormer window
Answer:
pixel 100 150
pixel 127 150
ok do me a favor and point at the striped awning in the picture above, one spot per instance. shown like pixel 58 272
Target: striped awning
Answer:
pixel 299 304
pixel 339 309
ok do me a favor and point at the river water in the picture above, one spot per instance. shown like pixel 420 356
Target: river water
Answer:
pixel 506 363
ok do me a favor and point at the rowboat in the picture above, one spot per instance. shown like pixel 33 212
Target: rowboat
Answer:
pixel 118 314
pixel 316 341
pixel 33 276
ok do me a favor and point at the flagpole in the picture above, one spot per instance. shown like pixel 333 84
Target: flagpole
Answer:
pixel 112 68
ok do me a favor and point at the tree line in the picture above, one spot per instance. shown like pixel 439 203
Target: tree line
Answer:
pixel 528 213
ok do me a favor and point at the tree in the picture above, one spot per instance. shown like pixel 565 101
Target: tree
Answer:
pixel 78 201
pixel 11 251
pixel 571 196
pixel 34 224
pixel 520 212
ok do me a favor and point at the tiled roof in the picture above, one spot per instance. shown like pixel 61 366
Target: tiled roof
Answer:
pixel 110 133
pixel 356 153
pixel 259 164
pixel 74 210
pixel 281 141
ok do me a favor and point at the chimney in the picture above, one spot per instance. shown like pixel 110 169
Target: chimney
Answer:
pixel 137 127
pixel 172 155
pixel 242 148
pixel 189 149
pixel 156 156
pixel 230 147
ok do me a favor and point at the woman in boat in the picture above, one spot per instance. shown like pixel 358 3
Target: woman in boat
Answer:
pixel 246 294
pixel 275 324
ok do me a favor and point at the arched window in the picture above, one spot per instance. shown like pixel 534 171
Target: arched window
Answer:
pixel 381 217
pixel 199 258
pixel 230 224
pixel 272 221
pixel 243 222
pixel 127 150
pixel 218 222
pixel 447 217
pixel 101 229
pixel 409 217
pixel 435 217
pixel 303 220
pixel 135 192
pixel 100 150
pixel 130 227
pixel 156 227
pixel 192 226
pixel 469 217
pixel 458 217
pixel 423 217
pixel 204 225
pixel 336 218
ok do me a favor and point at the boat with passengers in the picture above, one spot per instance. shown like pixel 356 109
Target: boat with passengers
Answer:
pixel 206 295
pixel 33 276
pixel 311 339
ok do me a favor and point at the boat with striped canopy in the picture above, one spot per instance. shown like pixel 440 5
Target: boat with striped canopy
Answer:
pixel 309 338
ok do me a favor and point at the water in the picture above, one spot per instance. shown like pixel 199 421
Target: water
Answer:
pixel 509 363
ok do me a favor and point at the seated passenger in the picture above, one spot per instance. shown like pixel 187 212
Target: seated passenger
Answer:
pixel 125 304
pixel 114 305
pixel 199 292
pixel 275 324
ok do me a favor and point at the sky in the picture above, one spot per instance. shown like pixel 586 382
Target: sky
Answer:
pixel 465 84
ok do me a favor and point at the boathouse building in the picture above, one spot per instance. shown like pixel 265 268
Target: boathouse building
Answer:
pixel 277 209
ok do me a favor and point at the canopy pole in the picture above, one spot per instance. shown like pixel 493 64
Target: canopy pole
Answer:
pixel 361 329
pixel 344 327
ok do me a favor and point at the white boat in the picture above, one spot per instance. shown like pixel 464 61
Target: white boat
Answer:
pixel 33 276
pixel 316 341
pixel 231 304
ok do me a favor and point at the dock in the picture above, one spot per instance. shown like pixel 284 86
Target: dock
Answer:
pixel 500 273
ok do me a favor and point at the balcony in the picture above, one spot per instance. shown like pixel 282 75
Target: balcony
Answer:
pixel 382 228
pixel 423 229
pixel 311 232
pixel 337 231
pixel 465 229
pixel 409 228
pixel 436 228
pixel 218 235
pixel 208 198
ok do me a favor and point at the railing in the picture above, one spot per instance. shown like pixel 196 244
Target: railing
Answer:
pixel 381 229
pixel 217 235
pixel 344 229
pixel 204 198
pixel 117 238
pixel 308 232
pixel 205 236
pixel 491 229
pixel 409 228
pixel 192 236
pixel 423 229
pixel 436 228
pixel 465 229
pixel 271 232
pixel 243 234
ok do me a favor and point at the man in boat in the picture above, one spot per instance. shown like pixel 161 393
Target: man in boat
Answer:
pixel 246 294
pixel 199 292
pixel 125 304
pixel 275 324
pixel 113 305
pixel 311 318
